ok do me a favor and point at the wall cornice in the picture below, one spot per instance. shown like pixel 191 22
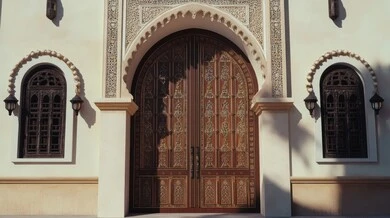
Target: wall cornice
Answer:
pixel 117 104
pixel 271 104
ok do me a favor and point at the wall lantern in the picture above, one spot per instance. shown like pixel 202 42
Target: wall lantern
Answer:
pixel 51 9
pixel 333 9
pixel 76 103
pixel 10 103
pixel 376 103
pixel 310 102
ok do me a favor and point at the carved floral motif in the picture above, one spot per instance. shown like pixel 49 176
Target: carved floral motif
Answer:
pixel 137 37
pixel 140 12
pixel 133 25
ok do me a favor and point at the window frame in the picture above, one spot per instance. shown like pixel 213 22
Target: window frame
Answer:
pixel 338 90
pixel 27 90
pixel 70 121
pixel 370 118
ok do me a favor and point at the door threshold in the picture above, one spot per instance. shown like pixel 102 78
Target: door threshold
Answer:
pixel 196 215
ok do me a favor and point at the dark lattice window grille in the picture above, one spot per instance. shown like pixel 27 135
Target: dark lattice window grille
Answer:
pixel 343 114
pixel 43 109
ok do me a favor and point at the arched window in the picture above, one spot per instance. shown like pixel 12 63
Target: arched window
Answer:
pixel 343 113
pixel 43 102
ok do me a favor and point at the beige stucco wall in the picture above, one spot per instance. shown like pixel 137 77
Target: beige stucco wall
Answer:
pixel 78 35
pixel 48 197
pixel 359 196
pixel 362 30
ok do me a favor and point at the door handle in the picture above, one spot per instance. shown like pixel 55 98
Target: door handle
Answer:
pixel 192 159
pixel 195 162
pixel 198 162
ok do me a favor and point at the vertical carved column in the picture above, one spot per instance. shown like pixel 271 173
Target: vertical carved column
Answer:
pixel 276 49
pixel 113 48
pixel 114 156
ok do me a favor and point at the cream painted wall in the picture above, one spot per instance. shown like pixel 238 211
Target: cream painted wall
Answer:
pixel 79 37
pixel 364 31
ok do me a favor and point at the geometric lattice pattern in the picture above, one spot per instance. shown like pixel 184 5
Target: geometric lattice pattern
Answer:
pixel 343 114
pixel 43 114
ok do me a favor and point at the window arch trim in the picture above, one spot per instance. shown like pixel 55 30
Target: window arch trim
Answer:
pixel 369 89
pixel 72 122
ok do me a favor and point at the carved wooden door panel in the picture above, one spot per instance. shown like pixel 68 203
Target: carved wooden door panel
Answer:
pixel 194 136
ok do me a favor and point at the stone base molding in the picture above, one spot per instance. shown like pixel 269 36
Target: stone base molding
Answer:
pixel 48 196
pixel 56 180
pixel 341 196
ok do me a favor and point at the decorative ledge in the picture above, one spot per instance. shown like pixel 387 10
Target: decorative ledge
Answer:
pixel 340 179
pixel 271 104
pixel 49 180
pixel 117 104
pixel 68 159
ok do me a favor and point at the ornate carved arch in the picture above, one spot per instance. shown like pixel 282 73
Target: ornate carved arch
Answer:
pixel 37 54
pixel 337 53
pixel 204 12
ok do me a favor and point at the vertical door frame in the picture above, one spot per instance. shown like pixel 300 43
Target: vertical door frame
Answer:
pixel 195 86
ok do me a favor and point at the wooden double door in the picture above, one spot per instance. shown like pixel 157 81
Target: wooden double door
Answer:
pixel 194 145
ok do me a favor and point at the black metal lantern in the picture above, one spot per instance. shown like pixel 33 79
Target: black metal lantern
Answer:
pixel 376 103
pixel 76 103
pixel 310 102
pixel 10 103
pixel 333 9
pixel 51 9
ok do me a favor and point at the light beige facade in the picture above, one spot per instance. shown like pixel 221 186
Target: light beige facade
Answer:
pixel 98 46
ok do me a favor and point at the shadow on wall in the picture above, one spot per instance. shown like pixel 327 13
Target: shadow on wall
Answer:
pixel 372 196
pixel 364 188
pixel 87 112
pixel 342 15
pixel 1 4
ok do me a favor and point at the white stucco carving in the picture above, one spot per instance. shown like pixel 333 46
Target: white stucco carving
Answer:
pixel 337 53
pixel 37 54
pixel 196 11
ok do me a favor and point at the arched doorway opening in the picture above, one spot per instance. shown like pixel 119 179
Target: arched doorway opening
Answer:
pixel 194 137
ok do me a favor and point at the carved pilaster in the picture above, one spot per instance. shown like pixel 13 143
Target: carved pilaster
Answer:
pixel 112 48
pixel 277 48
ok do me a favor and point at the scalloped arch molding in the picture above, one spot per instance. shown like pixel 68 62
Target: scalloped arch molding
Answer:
pixel 37 54
pixel 336 53
pixel 196 10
